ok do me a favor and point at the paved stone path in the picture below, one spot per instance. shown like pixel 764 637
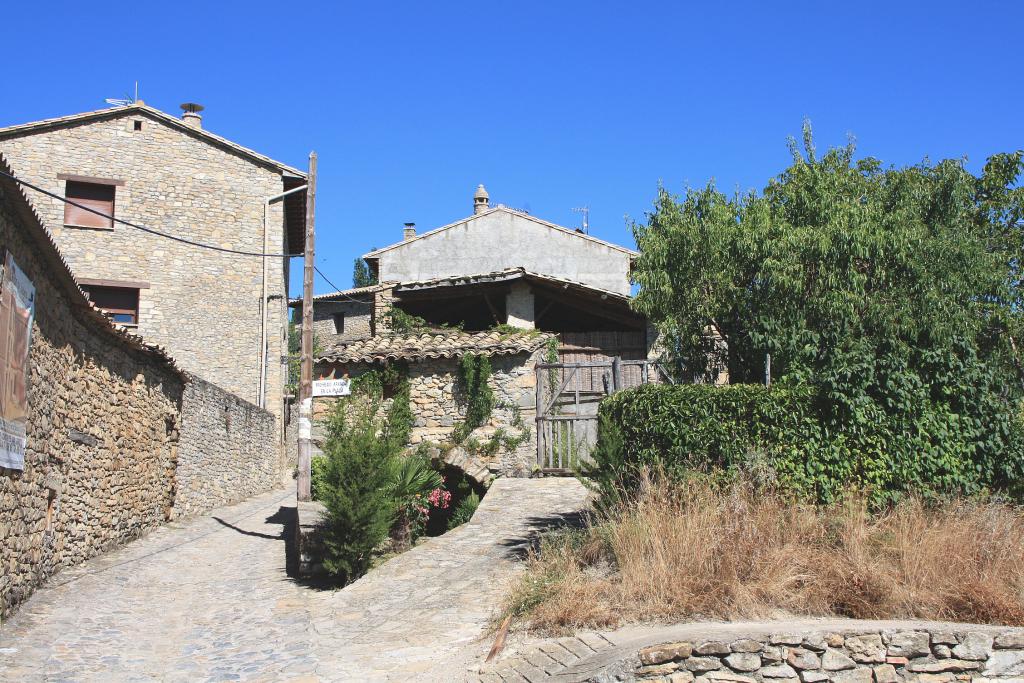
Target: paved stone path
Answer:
pixel 209 599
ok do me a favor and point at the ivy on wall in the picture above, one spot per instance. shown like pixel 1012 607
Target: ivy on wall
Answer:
pixel 473 375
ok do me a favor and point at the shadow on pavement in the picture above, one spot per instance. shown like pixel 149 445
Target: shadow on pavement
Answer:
pixel 519 546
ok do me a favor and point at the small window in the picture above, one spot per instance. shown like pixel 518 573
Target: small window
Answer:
pixel 91 196
pixel 137 125
pixel 120 303
pixel 339 323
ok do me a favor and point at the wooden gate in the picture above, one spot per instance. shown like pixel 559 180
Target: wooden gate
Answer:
pixel 568 395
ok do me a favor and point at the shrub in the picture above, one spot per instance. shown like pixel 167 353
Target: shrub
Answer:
pixel 896 292
pixel 317 470
pixel 791 437
pixel 465 510
pixel 696 550
pixel 413 481
pixel 355 487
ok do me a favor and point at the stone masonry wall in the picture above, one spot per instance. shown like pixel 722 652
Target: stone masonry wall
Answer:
pixel 227 450
pixel 940 654
pixel 437 408
pixel 201 305
pixel 358 320
pixel 102 434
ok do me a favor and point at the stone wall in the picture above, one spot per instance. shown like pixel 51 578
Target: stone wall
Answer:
pixel 102 428
pixel 227 450
pixel 201 305
pixel 928 654
pixel 358 320
pixel 437 408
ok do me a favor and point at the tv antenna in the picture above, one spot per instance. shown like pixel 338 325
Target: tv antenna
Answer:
pixel 125 101
pixel 585 210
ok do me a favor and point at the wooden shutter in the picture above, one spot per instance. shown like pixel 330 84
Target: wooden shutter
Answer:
pixel 91 195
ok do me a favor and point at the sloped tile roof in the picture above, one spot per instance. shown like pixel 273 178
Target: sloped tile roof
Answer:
pixel 141 108
pixel 343 295
pixel 446 344
pixel 506 275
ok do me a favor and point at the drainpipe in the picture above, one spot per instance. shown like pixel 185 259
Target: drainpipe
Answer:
pixel 261 399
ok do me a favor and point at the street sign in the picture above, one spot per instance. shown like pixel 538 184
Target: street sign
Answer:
pixel 332 387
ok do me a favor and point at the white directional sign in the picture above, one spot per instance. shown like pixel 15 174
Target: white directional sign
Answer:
pixel 332 387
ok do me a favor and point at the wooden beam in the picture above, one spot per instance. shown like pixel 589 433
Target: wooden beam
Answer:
pixel 494 311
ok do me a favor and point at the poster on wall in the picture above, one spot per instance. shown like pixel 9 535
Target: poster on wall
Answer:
pixel 17 306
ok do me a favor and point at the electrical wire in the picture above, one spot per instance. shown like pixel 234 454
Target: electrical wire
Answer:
pixel 338 291
pixel 183 240
pixel 143 228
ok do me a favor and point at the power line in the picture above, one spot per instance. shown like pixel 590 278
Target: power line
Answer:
pixel 175 238
pixel 338 291
pixel 143 228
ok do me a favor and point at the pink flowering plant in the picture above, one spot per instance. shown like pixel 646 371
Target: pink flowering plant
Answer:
pixel 417 489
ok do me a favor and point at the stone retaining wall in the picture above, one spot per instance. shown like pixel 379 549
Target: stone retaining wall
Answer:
pixel 878 656
pixel 227 451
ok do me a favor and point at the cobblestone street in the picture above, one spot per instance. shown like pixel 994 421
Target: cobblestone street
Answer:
pixel 209 599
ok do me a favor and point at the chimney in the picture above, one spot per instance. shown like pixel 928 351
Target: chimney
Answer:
pixel 191 116
pixel 480 200
pixel 409 231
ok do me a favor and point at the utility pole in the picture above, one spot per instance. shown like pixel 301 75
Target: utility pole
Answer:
pixel 306 357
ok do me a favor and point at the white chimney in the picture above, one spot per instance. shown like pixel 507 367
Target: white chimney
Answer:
pixel 409 231
pixel 480 200
pixel 191 116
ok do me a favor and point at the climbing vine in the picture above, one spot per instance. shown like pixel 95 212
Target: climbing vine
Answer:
pixel 551 356
pixel 473 375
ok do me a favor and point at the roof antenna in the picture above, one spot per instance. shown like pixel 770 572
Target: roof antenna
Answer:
pixel 125 101
pixel 585 210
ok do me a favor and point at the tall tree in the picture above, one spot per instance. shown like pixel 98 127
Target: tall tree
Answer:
pixel 896 291
pixel 361 275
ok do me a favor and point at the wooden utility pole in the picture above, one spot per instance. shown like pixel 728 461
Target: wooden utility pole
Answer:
pixel 306 357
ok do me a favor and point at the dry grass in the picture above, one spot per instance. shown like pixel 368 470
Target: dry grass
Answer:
pixel 689 551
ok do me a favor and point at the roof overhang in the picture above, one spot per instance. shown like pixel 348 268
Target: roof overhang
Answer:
pixel 509 275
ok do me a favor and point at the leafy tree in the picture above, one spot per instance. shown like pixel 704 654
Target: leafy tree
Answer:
pixel 361 275
pixel 896 292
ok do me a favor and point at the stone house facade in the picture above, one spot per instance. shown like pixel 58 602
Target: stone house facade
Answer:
pixel 431 364
pixel 460 295
pixel 211 310
pixel 119 438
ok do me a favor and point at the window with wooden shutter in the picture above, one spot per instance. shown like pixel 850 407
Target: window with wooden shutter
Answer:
pixel 120 303
pixel 91 196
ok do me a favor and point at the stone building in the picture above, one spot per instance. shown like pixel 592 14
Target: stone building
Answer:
pixel 220 315
pixel 118 438
pixel 499 283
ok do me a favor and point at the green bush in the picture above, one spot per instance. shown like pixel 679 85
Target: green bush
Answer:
pixel 793 438
pixel 464 510
pixel 355 487
pixel 317 470
pixel 895 292
pixel 412 481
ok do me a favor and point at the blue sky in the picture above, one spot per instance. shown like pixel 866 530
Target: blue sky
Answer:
pixel 552 105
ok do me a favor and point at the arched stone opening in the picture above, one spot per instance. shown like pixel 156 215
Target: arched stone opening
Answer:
pixel 460 485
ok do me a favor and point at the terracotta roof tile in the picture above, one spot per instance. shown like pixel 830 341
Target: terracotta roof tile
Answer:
pixel 446 344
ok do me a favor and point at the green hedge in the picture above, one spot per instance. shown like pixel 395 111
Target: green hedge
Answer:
pixel 794 439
